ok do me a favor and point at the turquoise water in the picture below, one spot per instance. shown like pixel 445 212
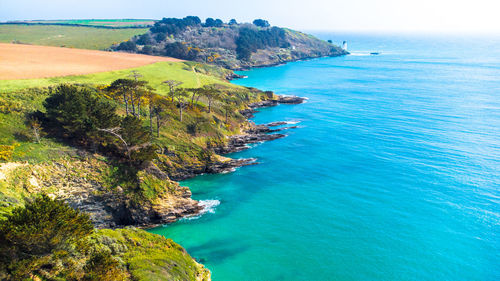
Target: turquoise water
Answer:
pixel 393 173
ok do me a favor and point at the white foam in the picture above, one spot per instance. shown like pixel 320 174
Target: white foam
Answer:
pixel 208 207
pixel 359 54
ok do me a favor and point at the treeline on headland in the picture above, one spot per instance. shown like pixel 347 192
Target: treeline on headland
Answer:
pixel 232 45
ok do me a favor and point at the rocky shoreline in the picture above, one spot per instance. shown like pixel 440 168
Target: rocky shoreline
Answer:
pixel 113 208
pixel 152 216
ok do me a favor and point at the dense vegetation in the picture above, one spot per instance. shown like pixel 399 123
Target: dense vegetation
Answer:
pixel 232 45
pixel 119 135
pixel 47 240
pixel 250 40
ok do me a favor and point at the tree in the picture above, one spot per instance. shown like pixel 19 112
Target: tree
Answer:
pixel 261 23
pixel 102 266
pixel 172 87
pixel 130 91
pixel 233 22
pixel 138 140
pixel 228 104
pixel 194 93
pixel 211 93
pixel 127 46
pixel 35 236
pixel 160 110
pixel 181 102
pixel 76 113
pixel 36 127
pixel 135 139
pixel 138 91
pixel 144 39
pixel 122 88
pixel 180 51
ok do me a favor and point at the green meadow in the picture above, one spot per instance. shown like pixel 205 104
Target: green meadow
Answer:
pixel 190 73
pixel 66 36
pixel 101 22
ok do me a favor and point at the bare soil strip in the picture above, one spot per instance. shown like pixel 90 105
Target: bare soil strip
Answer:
pixel 19 61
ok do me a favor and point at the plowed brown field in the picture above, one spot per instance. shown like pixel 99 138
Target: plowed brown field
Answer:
pixel 19 61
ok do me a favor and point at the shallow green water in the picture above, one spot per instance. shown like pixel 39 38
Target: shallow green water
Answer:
pixel 393 173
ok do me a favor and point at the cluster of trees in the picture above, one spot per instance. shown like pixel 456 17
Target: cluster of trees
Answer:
pixel 48 240
pixel 127 46
pixel 80 115
pixel 180 51
pixel 250 40
pixel 173 26
pixel 91 118
pixel 261 23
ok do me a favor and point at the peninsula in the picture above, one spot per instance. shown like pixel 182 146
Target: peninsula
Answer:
pixel 102 151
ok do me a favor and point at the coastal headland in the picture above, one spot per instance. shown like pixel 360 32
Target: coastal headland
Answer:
pixel 109 134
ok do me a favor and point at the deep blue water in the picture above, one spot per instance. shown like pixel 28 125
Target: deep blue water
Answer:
pixel 393 173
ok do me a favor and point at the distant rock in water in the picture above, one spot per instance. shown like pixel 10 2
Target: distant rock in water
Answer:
pixel 232 45
pixel 291 99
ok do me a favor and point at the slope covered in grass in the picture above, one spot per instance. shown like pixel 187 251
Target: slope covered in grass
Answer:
pixel 66 36
pixel 190 73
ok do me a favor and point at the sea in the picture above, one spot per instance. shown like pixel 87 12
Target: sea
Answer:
pixel 393 172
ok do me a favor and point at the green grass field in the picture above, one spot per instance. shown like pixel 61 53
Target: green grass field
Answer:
pixel 16 96
pixel 153 73
pixel 101 22
pixel 66 36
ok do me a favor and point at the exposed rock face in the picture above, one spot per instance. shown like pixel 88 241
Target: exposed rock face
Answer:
pixel 80 182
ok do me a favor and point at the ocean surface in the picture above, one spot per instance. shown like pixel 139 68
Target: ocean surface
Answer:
pixel 393 173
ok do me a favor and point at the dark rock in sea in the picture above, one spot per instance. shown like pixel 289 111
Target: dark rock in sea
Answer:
pixel 291 99
pixel 278 123
pixel 248 113
pixel 233 76
pixel 230 165
pixel 265 103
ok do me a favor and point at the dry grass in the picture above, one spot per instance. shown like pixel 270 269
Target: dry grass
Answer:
pixel 19 61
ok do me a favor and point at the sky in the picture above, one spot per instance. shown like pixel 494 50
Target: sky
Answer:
pixel 455 16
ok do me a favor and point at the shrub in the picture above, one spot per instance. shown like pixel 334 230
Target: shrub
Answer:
pixel 6 151
pixel 250 40
pixel 41 237
pixel 128 46
pixel 261 23
pixel 180 51
pixel 77 114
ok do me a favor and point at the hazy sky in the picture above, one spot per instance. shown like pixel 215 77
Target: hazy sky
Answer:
pixel 345 15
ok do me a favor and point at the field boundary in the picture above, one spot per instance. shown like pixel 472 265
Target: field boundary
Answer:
pixel 77 25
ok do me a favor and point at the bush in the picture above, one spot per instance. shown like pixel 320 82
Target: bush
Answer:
pixel 144 39
pixel 261 23
pixel 180 51
pixel 128 46
pixel 173 26
pixel 40 237
pixel 250 40
pixel 103 267
pixel 77 114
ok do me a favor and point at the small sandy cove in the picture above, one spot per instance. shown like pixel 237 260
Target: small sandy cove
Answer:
pixel 19 61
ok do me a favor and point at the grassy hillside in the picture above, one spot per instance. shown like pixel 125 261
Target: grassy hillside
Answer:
pixel 103 186
pixel 66 36
pixel 190 73
pixel 18 97
pixel 151 257
pixel 100 22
